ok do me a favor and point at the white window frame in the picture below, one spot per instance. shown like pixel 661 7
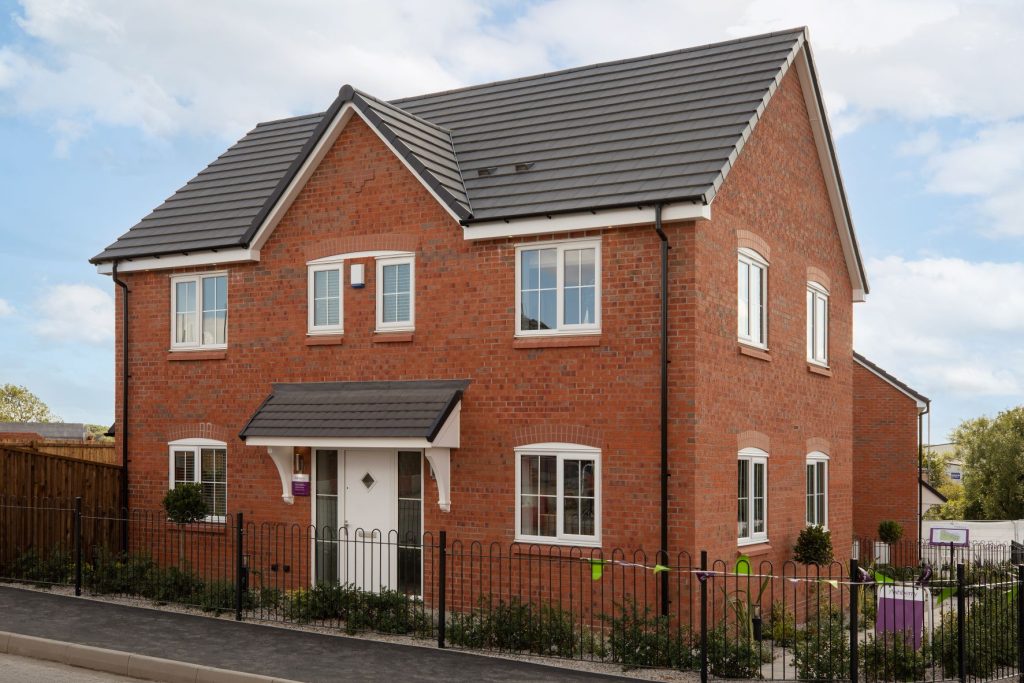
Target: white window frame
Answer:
pixel 313 268
pixel 816 292
pixel 753 456
pixel 198 278
pixel 196 446
pixel 751 259
pixel 563 451
pixel 561 247
pixel 403 325
pixel 816 458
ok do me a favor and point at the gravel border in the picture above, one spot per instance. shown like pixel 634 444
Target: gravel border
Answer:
pixel 666 675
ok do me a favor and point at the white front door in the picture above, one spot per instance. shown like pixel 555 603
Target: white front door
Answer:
pixel 369 511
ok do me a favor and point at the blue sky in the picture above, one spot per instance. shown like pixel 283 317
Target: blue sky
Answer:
pixel 107 107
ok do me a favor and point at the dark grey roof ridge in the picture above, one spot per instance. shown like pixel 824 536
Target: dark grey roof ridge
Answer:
pixel 613 62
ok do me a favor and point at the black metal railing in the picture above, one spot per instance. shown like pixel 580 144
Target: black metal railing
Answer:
pixel 908 613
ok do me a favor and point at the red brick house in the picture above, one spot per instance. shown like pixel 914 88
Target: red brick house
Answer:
pixel 887 481
pixel 603 307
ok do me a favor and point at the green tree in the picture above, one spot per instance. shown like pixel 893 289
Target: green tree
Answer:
pixel 992 451
pixel 935 469
pixel 18 404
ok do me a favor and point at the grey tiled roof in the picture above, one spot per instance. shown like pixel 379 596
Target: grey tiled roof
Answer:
pixel 356 409
pixel 891 379
pixel 661 128
pixel 48 430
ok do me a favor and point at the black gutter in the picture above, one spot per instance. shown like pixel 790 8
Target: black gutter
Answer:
pixel 920 471
pixel 124 405
pixel 664 405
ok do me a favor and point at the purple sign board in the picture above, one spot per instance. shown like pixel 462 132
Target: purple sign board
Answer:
pixel 300 484
pixel 950 536
pixel 901 608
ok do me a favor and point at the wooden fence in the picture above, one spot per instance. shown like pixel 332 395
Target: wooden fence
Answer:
pixel 34 476
pixel 78 450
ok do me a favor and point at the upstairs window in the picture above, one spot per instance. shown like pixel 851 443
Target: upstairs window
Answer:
pixel 203 462
pixel 817 489
pixel 753 289
pixel 199 311
pixel 396 294
pixel 558 489
pixel 558 288
pixel 325 298
pixel 752 496
pixel 817 324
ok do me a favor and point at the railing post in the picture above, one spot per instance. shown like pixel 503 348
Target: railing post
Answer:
pixel 1020 622
pixel 239 568
pixel 961 636
pixel 442 583
pixel 703 617
pixel 78 545
pixel 854 614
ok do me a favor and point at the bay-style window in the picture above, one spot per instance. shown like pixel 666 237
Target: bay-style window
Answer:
pixel 817 323
pixel 558 492
pixel 752 298
pixel 199 311
pixel 203 462
pixel 396 294
pixel 752 496
pixel 817 489
pixel 324 306
pixel 558 288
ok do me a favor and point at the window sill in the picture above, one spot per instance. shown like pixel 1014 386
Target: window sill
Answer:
pixel 324 340
pixel 555 342
pixel 562 543
pixel 753 548
pixel 754 352
pixel 197 355
pixel 816 369
pixel 392 337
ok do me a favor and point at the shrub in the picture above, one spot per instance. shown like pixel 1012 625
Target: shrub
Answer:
pixel 117 573
pixel 387 611
pixel 822 649
pixel 991 635
pixel 889 531
pixel 782 625
pixel 185 504
pixel 732 657
pixel 643 639
pixel 517 627
pixel 813 546
pixel 892 657
pixel 53 567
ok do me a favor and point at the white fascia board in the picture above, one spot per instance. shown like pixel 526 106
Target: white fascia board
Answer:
pixel 829 168
pixel 340 442
pixel 204 258
pixel 321 149
pixel 921 405
pixel 588 220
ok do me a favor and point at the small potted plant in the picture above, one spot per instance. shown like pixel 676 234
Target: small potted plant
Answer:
pixel 889 532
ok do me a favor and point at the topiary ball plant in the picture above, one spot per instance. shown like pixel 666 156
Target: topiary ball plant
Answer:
pixel 813 546
pixel 185 504
pixel 890 532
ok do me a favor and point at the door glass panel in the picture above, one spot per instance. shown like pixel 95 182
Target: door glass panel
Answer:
pixel 410 522
pixel 327 516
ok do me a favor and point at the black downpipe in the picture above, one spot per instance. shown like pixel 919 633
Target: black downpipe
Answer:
pixel 664 405
pixel 122 429
pixel 920 473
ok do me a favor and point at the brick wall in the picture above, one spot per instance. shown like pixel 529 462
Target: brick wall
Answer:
pixel 885 456
pixel 361 197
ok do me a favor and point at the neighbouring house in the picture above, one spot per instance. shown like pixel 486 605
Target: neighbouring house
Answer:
pixel 931 497
pixel 38 431
pixel 888 482
pixel 606 307
pixel 954 466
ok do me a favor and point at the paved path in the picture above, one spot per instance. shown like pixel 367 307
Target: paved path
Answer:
pixel 254 648
pixel 21 670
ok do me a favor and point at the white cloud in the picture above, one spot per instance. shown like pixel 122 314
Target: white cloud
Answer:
pixel 169 68
pixel 945 325
pixel 75 314
pixel 5 308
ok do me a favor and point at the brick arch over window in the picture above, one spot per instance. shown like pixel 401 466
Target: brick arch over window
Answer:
pixel 817 443
pixel 752 439
pixel 745 238
pixel 559 433
pixel 201 430
pixel 815 274
pixel 348 245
